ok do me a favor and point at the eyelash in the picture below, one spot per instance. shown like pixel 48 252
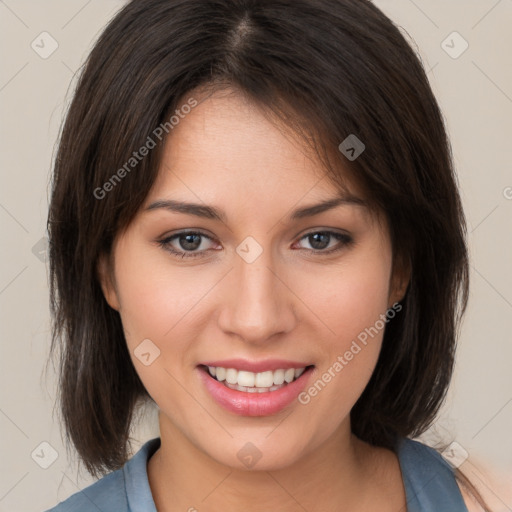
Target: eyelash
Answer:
pixel 345 240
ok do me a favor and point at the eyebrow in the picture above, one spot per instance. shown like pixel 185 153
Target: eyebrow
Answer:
pixel 211 212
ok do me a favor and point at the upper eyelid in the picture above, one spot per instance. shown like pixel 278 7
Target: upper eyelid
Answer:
pixel 186 232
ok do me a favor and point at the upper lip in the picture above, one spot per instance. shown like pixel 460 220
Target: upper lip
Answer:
pixel 257 366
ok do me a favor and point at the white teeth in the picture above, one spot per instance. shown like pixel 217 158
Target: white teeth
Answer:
pixel 278 377
pixel 299 372
pixel 264 379
pixel 231 376
pixel 255 382
pixel 289 375
pixel 245 379
pixel 253 389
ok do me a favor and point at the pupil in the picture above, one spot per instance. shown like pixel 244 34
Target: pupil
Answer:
pixel 188 244
pixel 315 237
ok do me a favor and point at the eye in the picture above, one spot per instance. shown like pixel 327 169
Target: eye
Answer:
pixel 319 240
pixel 188 240
pixel 189 243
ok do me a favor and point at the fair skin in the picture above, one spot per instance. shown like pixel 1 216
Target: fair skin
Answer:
pixel 293 302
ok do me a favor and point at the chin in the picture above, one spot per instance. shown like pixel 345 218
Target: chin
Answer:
pixel 251 458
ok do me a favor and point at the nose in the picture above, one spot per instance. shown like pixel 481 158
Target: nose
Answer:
pixel 259 304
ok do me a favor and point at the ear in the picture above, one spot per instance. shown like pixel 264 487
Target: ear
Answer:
pixel 105 276
pixel 399 281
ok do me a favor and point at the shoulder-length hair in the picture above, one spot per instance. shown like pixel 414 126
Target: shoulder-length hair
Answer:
pixel 327 69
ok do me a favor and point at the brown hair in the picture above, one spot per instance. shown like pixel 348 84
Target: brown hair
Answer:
pixel 327 69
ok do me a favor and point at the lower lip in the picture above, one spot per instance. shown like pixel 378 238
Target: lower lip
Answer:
pixel 254 404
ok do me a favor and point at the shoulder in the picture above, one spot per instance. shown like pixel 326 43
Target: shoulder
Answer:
pixel 108 493
pixel 469 500
pixel 429 480
pixel 415 456
pixel 427 474
pixel 492 484
pixel 121 491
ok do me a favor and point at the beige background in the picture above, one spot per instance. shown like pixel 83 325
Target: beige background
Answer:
pixel 475 93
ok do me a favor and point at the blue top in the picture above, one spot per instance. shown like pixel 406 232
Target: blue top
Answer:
pixel 429 483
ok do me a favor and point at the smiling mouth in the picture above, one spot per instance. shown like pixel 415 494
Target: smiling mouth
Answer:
pixel 251 382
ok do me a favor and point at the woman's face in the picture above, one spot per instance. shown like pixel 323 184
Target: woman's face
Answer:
pixel 261 290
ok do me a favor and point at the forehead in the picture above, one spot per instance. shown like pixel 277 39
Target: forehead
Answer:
pixel 226 146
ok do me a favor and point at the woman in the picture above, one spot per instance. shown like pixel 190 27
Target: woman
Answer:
pixel 255 224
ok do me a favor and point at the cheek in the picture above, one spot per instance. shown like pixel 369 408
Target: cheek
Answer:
pixel 349 299
pixel 157 304
pixel 157 299
pixel 351 305
pixel 166 304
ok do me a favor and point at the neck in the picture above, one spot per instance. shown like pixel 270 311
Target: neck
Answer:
pixel 334 476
